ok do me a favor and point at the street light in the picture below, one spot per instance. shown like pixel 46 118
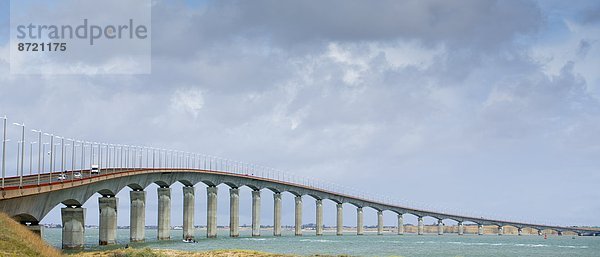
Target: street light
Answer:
pixel 51 154
pixel 3 151
pixel 39 154
pixel 31 156
pixel 22 152
pixel 43 159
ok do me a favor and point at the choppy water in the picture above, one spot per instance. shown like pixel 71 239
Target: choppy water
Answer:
pixel 366 245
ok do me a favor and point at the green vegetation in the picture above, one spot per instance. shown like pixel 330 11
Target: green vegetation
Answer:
pixel 16 240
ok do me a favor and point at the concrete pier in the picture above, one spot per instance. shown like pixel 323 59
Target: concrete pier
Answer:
pixel 339 228
pixel 479 229
pixel 440 227
pixel 107 229
pixel 400 225
pixel 137 216
pixel 256 213
pixel 461 228
pixel 298 218
pixel 379 222
pixel 164 213
pixel 277 214
pixel 359 221
pixel 520 231
pixel 211 213
pixel 500 230
pixel 420 226
pixel 73 221
pixel 319 218
pixel 188 212
pixel 234 212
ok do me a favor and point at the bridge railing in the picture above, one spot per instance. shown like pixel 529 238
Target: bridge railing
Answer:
pixel 40 157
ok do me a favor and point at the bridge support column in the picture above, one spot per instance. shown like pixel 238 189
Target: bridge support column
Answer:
pixel 400 225
pixel 379 222
pixel 359 221
pixel 256 213
pixel 339 228
pixel 211 213
pixel 164 213
pixel 480 229
pixel 520 231
pixel 298 218
pixel 107 229
pixel 440 227
pixel 420 226
pixel 234 212
pixel 559 233
pixel 73 221
pixel 277 214
pixel 500 230
pixel 461 228
pixel 137 216
pixel 319 229
pixel 188 212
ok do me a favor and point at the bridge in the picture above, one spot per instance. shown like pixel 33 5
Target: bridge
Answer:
pixel 87 168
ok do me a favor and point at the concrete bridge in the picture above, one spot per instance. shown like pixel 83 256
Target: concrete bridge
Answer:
pixel 30 202
pixel 111 167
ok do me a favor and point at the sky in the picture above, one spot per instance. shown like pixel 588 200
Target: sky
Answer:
pixel 483 107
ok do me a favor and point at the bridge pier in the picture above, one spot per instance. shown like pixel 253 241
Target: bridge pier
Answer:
pixel 500 230
pixel 420 226
pixel 520 231
pixel 107 229
pixel 211 213
pixel 319 211
pixel 73 221
pixel 440 227
pixel 559 233
pixel 480 229
pixel 164 213
pixel 256 213
pixel 339 228
pixel 400 225
pixel 137 216
pixel 189 200
pixel 277 214
pixel 298 218
pixel 234 212
pixel 461 228
pixel 379 222
pixel 359 221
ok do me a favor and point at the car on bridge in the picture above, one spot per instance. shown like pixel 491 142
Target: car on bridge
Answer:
pixel 95 169
pixel 62 177
pixel 77 175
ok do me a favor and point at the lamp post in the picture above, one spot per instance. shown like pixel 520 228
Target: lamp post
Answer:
pixel 51 155
pixel 31 157
pixel 3 150
pixel 39 154
pixel 22 152
pixel 43 159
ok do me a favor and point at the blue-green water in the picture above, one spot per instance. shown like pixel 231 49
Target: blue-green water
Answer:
pixel 366 245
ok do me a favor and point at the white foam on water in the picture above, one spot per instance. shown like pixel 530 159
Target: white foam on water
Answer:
pixel 317 240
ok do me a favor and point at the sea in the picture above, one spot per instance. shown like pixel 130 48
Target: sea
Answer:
pixel 370 244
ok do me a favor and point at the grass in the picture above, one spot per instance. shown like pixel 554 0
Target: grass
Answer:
pixel 173 253
pixel 16 240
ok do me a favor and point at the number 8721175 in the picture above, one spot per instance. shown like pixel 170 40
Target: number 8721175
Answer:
pixel 42 47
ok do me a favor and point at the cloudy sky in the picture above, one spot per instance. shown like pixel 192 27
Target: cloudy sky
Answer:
pixel 487 107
